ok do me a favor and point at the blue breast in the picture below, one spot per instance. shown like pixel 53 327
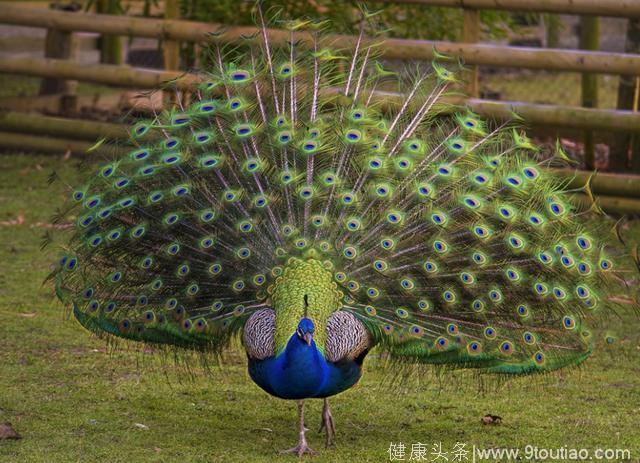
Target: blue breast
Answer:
pixel 300 371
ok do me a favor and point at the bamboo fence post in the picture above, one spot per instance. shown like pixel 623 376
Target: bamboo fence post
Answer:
pixel 634 142
pixel 60 45
pixel 111 46
pixel 170 50
pixel 627 147
pixel 589 40
pixel 553 26
pixel 471 34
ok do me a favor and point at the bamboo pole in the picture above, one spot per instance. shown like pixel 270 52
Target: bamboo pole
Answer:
pixel 589 40
pixel 625 150
pixel 472 54
pixel 553 26
pixel 171 48
pixel 616 8
pixel 59 45
pixel 634 147
pixel 471 34
pixel 620 8
pixel 560 116
pixel 604 183
pixel 118 102
pixel 111 46
pixel 60 127
pixel 21 143
pixel 121 76
pixel 610 204
pixel 608 186
pixel 125 76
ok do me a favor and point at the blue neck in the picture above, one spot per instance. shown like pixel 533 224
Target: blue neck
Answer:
pixel 300 371
pixel 301 355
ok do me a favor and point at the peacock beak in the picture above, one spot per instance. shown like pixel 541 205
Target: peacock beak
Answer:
pixel 308 337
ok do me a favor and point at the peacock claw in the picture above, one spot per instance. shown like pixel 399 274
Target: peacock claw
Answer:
pixel 301 448
pixel 327 424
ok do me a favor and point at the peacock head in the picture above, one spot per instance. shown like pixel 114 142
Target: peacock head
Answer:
pixel 305 330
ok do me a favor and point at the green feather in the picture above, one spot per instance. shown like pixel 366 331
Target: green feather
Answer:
pixel 289 183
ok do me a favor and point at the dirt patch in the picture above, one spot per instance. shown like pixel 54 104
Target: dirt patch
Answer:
pixel 7 432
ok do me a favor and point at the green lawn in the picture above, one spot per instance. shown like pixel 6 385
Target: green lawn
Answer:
pixel 73 400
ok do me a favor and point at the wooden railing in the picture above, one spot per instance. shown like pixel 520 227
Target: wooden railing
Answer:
pixel 472 54
pixel 619 8
pixel 615 192
pixel 190 31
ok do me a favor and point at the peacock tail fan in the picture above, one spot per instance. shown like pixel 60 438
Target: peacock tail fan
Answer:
pixel 447 235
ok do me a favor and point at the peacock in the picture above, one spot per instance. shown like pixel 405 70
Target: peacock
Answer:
pixel 314 204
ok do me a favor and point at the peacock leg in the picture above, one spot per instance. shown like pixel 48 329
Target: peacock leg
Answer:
pixel 327 424
pixel 302 446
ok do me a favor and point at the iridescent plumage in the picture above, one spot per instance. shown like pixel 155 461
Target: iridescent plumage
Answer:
pixel 291 187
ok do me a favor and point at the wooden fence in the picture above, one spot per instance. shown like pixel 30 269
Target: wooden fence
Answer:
pixel 473 54
pixel 620 8
pixel 191 31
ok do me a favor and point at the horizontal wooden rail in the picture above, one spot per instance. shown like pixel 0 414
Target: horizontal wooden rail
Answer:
pixel 125 76
pixel 31 132
pixel 511 57
pixel 605 184
pixel 20 142
pixel 25 143
pixel 487 55
pixel 573 117
pixel 119 76
pixel 82 129
pixel 610 204
pixel 621 8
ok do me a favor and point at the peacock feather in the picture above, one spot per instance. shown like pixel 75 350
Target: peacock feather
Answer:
pixel 290 179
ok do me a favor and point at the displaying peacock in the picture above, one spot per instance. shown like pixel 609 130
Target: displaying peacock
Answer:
pixel 292 201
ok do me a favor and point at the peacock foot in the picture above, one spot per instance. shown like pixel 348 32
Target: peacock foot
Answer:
pixel 301 448
pixel 327 424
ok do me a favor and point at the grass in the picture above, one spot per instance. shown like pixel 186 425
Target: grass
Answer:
pixel 71 400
